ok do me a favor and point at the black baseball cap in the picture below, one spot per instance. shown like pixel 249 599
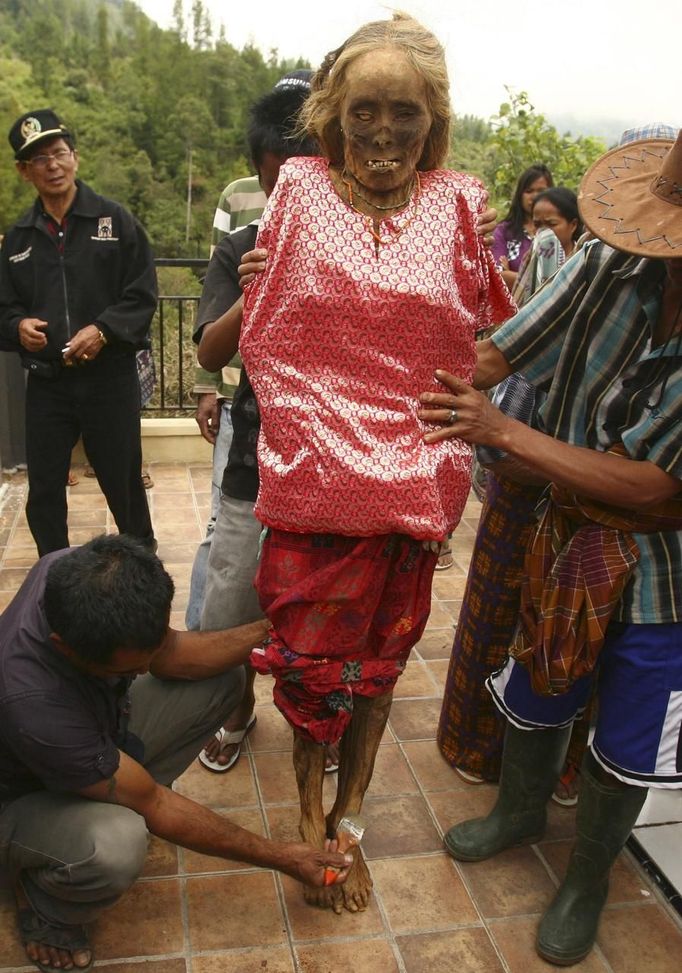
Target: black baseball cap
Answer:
pixel 33 128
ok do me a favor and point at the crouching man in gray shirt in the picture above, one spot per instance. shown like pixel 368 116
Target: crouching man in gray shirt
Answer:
pixel 102 706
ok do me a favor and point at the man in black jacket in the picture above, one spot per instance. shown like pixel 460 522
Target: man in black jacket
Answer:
pixel 77 296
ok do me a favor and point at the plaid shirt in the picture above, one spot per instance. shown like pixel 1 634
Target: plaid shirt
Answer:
pixel 586 340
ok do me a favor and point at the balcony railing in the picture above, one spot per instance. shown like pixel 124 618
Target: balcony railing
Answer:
pixel 172 347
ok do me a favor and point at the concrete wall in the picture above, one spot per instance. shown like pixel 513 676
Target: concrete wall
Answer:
pixel 168 441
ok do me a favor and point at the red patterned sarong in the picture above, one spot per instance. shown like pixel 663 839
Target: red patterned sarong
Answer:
pixel 345 613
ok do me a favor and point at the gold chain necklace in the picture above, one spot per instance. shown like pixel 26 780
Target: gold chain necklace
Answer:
pixel 383 209
pixel 414 195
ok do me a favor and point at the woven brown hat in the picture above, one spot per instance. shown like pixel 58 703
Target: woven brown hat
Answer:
pixel 631 198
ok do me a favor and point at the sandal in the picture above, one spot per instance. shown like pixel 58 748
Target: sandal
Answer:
pixel 445 560
pixel 34 929
pixel 227 738
pixel 331 758
pixel 468 776
pixel 147 481
pixel 566 788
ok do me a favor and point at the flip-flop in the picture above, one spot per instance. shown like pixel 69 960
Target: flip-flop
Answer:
pixel 227 738
pixel 34 929
pixel 332 766
pixel 445 560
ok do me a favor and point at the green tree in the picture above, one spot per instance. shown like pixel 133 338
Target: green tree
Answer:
pixel 521 136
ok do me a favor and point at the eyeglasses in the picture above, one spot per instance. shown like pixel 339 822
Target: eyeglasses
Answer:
pixel 61 156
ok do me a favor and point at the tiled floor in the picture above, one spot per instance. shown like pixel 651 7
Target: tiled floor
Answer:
pixel 192 914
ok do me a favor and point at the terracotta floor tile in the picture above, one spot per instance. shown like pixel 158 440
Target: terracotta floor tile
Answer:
pixel 462 803
pixel 560 822
pixel 181 533
pixel 513 883
pixel 271 732
pixel 86 486
pixel 11 950
pixel 640 939
pixel 151 966
pixel 12 578
pixel 276 778
pixel 400 826
pixel 23 536
pixel 438 670
pixel 87 501
pixel 234 911
pixel 415 719
pixel 193 862
pixel 449 585
pixel 81 535
pixel 5 598
pixel 180 514
pixel 415 681
pixel 358 956
pixel 177 620
pixel 431 769
pixel 87 518
pixel 178 553
pixel 236 788
pixel 436 643
pixel 392 774
pixel 180 572
pixel 440 616
pixel 273 959
pixel 162 858
pixel 283 822
pixel 515 939
pixel 309 922
pixel 462 950
pixel 19 561
pixel 151 915
pixel 161 502
pixel 180 599
pixel 169 485
pixel 626 883
pixel 422 893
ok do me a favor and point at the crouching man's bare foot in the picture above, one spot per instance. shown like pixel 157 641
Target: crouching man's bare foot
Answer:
pixel 51 947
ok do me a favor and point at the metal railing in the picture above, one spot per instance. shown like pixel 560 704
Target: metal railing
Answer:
pixel 173 351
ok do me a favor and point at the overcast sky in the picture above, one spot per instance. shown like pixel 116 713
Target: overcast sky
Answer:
pixel 592 59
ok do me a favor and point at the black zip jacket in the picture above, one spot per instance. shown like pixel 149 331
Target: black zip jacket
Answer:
pixel 105 276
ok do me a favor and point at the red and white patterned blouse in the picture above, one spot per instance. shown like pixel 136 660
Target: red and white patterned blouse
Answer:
pixel 339 339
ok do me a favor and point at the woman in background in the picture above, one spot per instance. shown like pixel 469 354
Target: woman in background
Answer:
pixel 512 237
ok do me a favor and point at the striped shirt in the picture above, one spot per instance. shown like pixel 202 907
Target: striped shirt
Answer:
pixel 241 202
pixel 586 340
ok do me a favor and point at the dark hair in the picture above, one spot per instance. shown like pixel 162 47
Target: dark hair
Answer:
pixel 111 593
pixel 274 125
pixel 516 217
pixel 566 202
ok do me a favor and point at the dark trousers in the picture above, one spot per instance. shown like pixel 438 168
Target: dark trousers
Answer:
pixel 101 402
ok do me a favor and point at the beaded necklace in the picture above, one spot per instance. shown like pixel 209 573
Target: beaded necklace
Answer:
pixel 369 202
pixel 415 193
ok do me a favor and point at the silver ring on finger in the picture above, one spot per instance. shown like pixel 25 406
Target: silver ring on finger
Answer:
pixel 452 418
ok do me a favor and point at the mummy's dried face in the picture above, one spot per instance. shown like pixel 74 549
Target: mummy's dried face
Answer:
pixel 385 119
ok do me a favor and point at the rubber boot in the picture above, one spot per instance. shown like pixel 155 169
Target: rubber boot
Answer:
pixel 532 761
pixel 606 816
